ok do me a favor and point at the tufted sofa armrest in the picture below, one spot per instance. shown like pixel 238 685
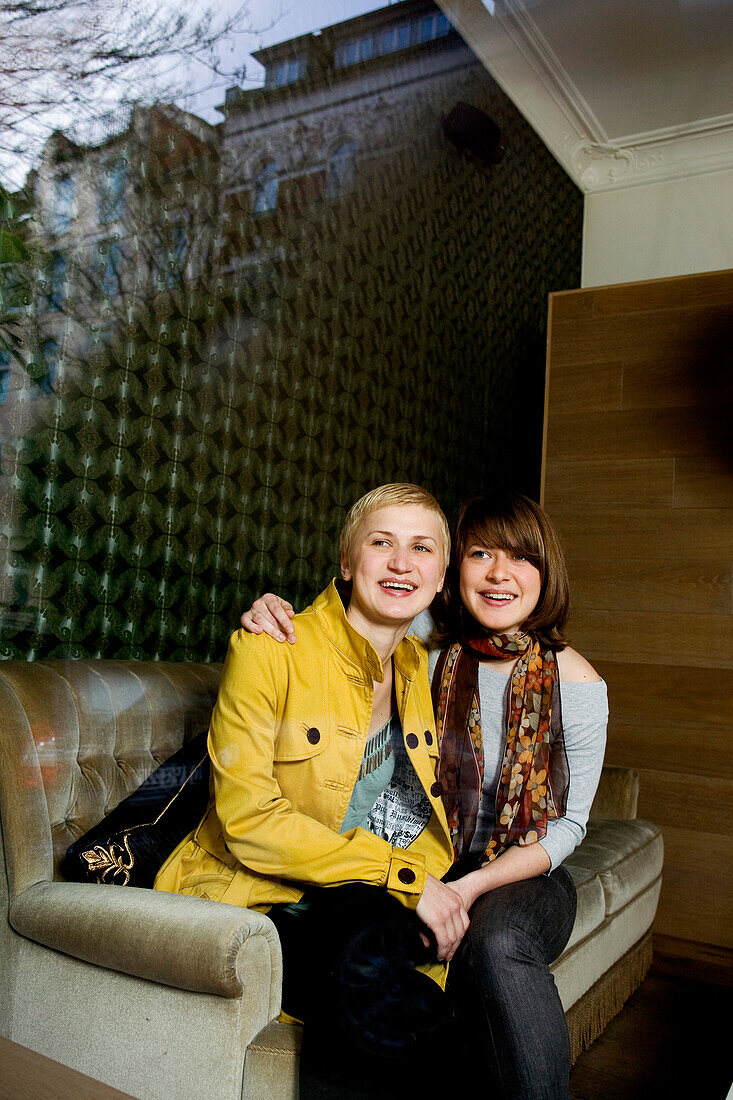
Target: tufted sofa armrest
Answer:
pixel 617 795
pixel 189 943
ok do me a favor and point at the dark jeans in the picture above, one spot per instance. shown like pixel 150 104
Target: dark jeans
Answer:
pixel 374 1027
pixel 508 1008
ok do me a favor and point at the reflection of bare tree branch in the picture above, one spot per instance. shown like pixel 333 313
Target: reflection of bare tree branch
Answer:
pixel 58 56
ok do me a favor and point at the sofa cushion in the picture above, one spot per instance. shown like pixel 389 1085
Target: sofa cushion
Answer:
pixel 130 844
pixel 580 966
pixel 591 904
pixel 626 855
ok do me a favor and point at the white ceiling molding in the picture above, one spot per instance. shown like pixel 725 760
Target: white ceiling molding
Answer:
pixel 544 83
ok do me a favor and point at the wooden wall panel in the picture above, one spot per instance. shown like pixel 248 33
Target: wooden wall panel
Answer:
pixel 631 635
pixel 663 385
pixel 647 433
pixel 614 480
pixel 631 583
pixel 702 484
pixel 600 389
pixel 636 744
pixel 671 799
pixel 692 695
pixel 679 335
pixel 638 474
pixel 697 890
pixel 704 291
pixel 634 532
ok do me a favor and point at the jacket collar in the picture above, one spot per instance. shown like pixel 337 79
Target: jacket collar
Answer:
pixel 330 610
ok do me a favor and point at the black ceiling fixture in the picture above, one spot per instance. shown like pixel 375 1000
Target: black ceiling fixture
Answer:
pixel 474 134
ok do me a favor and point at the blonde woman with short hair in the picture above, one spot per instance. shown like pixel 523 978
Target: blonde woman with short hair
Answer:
pixel 327 811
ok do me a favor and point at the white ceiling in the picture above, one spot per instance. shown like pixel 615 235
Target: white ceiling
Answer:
pixel 622 91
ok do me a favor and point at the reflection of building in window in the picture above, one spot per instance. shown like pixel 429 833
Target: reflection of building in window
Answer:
pixel 56 282
pixel 358 49
pixel 111 195
pixel 340 170
pixel 50 365
pixel 396 38
pixel 330 127
pixel 391 40
pixel 432 26
pixel 109 264
pixel 285 72
pixel 4 376
pixel 63 210
pixel 265 190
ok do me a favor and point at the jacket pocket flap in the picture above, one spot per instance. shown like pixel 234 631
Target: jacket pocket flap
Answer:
pixel 299 742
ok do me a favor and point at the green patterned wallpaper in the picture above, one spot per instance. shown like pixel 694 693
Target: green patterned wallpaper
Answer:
pixel 204 443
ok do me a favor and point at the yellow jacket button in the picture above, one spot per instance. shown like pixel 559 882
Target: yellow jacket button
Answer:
pixel 313 735
pixel 406 875
pixel 436 790
pixel 428 737
pixel 411 740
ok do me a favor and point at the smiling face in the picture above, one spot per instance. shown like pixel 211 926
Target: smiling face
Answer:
pixel 395 564
pixel 499 587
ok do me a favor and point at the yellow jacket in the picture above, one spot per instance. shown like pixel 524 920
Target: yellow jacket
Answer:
pixel 286 741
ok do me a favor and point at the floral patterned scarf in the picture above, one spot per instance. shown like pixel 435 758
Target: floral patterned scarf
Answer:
pixel 534 775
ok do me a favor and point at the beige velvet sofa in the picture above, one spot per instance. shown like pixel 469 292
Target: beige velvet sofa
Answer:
pixel 171 997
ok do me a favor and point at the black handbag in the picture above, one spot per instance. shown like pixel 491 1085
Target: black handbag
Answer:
pixel 129 845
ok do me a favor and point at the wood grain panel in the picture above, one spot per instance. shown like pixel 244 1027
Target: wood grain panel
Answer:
pixel 669 383
pixel 703 484
pixel 610 533
pixel 670 798
pixel 593 388
pixel 646 433
pixel 641 744
pixel 633 584
pixel 643 498
pixel 697 696
pixel 706 292
pixel 697 888
pixel 628 636
pixel 609 481
pixel 634 338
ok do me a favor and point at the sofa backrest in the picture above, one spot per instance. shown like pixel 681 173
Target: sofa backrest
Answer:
pixel 76 737
pixel 617 796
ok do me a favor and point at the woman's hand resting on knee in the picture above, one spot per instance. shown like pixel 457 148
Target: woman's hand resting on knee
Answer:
pixel 443 911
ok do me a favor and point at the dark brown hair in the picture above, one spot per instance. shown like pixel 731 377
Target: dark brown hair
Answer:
pixel 506 521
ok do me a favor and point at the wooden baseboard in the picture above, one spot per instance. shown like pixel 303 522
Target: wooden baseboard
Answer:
pixel 706 961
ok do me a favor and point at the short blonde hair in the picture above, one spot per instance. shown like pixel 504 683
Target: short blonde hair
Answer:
pixel 384 496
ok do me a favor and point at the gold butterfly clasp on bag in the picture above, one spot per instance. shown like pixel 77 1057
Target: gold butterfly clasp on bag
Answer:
pixel 112 863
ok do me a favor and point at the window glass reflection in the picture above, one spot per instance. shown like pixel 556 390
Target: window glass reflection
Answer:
pixel 63 210
pixel 340 172
pixel 265 189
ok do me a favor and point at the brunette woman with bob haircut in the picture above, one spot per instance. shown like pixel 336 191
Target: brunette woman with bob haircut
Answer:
pixel 514 522
pixel 521 721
